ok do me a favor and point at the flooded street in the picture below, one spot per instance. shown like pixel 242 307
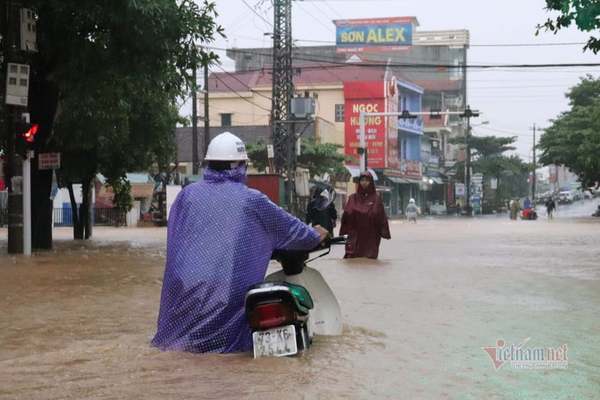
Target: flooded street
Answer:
pixel 76 322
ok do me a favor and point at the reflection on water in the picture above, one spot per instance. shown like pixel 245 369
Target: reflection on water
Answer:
pixel 76 321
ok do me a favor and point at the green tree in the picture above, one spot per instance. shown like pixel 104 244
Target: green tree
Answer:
pixel 488 158
pixel 489 146
pixel 573 139
pixel 585 14
pixel 318 158
pixel 104 89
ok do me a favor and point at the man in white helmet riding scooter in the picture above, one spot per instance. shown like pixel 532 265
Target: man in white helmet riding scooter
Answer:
pixel 220 238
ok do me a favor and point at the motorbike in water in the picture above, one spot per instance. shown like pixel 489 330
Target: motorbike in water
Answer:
pixel 292 305
pixel 529 214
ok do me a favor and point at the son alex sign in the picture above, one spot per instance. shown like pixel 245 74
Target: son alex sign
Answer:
pixel 380 34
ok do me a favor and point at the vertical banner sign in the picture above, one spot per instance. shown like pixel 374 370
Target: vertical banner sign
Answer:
pixel 374 34
pixel 393 158
pixel 367 96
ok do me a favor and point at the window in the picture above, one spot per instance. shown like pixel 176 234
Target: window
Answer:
pixel 339 113
pixel 225 119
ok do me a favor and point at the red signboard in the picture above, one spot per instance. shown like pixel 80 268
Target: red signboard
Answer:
pixel 365 97
pixel 411 169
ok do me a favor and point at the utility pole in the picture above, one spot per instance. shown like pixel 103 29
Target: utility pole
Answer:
pixel 206 114
pixel 195 160
pixel 283 89
pixel 10 38
pixel 468 114
pixel 534 176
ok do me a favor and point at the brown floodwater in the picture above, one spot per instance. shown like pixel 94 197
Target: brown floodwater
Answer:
pixel 76 322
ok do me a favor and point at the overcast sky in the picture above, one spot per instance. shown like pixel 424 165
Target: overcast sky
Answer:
pixel 511 100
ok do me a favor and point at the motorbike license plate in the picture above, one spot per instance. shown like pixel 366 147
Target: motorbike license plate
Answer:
pixel 276 342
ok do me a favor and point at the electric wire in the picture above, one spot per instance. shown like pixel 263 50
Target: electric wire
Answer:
pixel 239 95
pixel 232 75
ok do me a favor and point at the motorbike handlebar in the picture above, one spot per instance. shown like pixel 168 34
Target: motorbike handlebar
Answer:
pixel 337 240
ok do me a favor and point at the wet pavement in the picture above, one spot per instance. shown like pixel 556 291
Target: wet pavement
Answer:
pixel 76 321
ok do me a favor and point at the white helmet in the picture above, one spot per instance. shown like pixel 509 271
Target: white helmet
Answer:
pixel 412 201
pixel 226 147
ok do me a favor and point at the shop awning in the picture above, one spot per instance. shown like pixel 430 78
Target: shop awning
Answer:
pixel 401 181
pixel 437 180
pixel 355 171
pixel 397 180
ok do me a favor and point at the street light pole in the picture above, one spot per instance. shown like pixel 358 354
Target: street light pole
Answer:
pixel 362 150
pixel 534 177
pixel 468 114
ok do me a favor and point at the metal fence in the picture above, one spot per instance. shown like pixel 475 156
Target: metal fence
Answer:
pixel 100 217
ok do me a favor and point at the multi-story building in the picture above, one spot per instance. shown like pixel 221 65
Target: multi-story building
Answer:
pixel 428 76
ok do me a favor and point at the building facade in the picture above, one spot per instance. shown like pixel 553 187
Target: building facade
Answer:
pixel 429 76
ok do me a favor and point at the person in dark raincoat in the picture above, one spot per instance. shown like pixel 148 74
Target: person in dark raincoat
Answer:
pixel 364 220
pixel 321 210
pixel 221 235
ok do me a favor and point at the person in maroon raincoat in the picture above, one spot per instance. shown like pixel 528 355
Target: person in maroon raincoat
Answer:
pixel 364 220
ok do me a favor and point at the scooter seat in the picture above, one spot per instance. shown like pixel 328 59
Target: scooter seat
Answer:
pixel 295 294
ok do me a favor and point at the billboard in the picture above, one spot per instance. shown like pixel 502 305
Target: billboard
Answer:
pixel 367 96
pixel 374 34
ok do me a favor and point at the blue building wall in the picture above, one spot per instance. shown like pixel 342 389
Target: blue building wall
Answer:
pixel 410 131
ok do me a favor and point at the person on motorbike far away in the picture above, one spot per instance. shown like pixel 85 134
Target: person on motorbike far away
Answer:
pixel 321 210
pixel 412 211
pixel 221 235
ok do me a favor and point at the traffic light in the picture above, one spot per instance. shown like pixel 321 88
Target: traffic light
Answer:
pixel 25 139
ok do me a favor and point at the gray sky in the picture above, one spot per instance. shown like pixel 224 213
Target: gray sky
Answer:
pixel 511 100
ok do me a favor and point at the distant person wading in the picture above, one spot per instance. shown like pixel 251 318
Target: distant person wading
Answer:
pixel 364 220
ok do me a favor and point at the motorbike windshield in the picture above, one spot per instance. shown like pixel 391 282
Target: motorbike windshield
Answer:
pixel 220 238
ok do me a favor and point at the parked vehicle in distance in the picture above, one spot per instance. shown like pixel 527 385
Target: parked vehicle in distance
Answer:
pixel 566 197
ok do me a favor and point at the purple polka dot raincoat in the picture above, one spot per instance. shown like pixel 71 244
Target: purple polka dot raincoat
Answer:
pixel 220 238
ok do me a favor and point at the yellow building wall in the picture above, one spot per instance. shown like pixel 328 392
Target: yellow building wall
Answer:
pixel 251 108
pixel 247 109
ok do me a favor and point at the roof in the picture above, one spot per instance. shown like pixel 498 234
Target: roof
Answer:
pixel 249 134
pixel 440 85
pixel 309 75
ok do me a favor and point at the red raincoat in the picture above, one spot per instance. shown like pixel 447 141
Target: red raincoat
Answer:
pixel 365 222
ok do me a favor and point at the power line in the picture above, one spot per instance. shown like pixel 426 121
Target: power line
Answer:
pixel 317 19
pixel 257 13
pixel 543 44
pixel 318 7
pixel 516 87
pixel 528 44
pixel 332 9
pixel 506 131
pixel 338 63
pixel 243 83
pixel 239 95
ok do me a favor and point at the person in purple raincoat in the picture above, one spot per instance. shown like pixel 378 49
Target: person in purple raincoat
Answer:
pixel 220 238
